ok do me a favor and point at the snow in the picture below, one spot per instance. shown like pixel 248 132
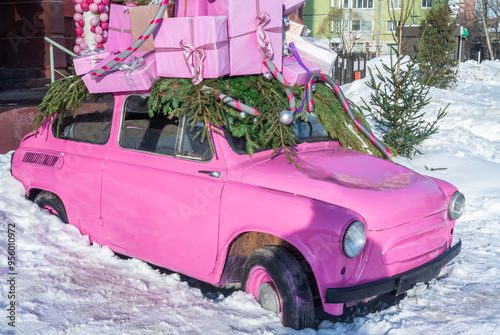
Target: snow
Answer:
pixel 64 285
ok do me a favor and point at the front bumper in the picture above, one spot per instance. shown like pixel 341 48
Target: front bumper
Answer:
pixel 399 283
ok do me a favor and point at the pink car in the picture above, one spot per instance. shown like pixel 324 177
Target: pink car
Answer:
pixel 343 228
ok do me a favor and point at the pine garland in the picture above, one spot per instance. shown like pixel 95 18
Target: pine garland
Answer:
pixel 177 97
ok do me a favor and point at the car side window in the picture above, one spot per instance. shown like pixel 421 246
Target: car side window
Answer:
pixel 91 123
pixel 159 134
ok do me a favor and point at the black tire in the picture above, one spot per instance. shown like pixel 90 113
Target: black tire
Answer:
pixel 52 203
pixel 291 283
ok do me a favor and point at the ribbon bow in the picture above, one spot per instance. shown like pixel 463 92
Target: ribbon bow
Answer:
pixel 194 60
pixel 131 65
pixel 263 38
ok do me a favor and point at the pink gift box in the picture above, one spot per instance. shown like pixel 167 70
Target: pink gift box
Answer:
pixel 207 34
pixel 244 54
pixel 120 31
pixel 186 8
pixel 291 6
pixel 294 73
pixel 139 79
pixel 86 63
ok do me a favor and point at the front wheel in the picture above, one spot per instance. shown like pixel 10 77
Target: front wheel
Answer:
pixel 276 279
pixel 52 204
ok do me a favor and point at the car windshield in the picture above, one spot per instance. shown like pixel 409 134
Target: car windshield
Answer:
pixel 310 131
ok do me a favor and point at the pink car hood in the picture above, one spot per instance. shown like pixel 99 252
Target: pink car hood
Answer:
pixel 384 193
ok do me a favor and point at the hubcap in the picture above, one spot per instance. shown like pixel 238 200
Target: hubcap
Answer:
pixel 268 297
pixel 262 286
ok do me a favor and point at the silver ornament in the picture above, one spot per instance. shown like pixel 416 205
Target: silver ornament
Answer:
pixel 286 23
pixel 287 51
pixel 267 76
pixel 313 88
pixel 243 114
pixel 286 117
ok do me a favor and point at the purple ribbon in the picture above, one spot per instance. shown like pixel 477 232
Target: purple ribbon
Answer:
pixel 297 57
pixel 194 60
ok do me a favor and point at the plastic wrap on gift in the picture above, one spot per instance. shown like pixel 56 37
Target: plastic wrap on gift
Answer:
pixel 255 31
pixel 186 8
pixel 192 47
pixel 295 74
pixel 84 64
pixel 136 73
pixel 294 31
pixel 291 6
pixel 140 19
pixel 119 31
pixel 317 55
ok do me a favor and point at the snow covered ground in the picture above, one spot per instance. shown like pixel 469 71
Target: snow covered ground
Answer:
pixel 66 286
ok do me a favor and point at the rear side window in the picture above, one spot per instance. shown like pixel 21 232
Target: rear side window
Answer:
pixel 159 134
pixel 90 123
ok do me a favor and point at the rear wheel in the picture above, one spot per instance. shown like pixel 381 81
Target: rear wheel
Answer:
pixel 52 204
pixel 276 279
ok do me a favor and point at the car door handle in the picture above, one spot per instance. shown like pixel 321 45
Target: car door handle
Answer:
pixel 215 174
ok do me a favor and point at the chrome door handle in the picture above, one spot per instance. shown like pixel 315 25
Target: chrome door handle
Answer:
pixel 215 174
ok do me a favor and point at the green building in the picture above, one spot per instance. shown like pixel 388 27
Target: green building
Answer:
pixel 359 25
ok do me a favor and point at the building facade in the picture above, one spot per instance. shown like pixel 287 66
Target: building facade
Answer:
pixel 366 21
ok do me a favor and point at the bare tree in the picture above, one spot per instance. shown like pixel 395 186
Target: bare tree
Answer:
pixel 339 24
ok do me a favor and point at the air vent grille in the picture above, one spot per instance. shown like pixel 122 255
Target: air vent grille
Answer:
pixel 40 159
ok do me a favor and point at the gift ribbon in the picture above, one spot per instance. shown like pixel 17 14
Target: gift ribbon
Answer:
pixel 263 38
pixel 299 60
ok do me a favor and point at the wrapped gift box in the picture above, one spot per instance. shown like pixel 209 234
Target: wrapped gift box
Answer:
pixel 200 33
pixel 140 18
pixel 244 54
pixel 185 8
pixel 119 32
pixel 140 78
pixel 294 31
pixel 291 6
pixel 317 55
pixel 294 73
pixel 86 63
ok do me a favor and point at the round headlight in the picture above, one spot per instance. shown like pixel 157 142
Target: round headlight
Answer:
pixel 457 206
pixel 354 239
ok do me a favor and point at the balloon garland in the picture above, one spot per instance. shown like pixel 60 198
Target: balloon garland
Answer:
pixel 91 21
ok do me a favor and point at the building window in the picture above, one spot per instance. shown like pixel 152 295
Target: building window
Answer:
pixel 396 4
pixel 362 25
pixel 358 47
pixel 391 26
pixel 426 3
pixel 391 49
pixel 361 3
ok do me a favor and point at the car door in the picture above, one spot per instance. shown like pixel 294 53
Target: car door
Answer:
pixel 161 192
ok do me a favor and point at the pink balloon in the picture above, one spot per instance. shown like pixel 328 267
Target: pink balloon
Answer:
pixel 105 33
pixel 106 9
pixel 90 1
pixel 104 25
pixel 104 39
pixel 94 22
pixel 73 1
pixel 101 8
pixel 98 30
pixel 97 2
pixel 79 36
pixel 84 46
pixel 104 17
pixel 77 49
pixel 100 46
pixel 78 8
pixel 93 8
pixel 78 1
pixel 105 2
pixel 85 6
pixel 81 23
pixel 79 30
pixel 92 30
pixel 79 40
pixel 98 38
pixel 77 17
pixel 76 24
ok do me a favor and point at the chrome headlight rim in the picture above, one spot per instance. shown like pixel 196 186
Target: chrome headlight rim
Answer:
pixel 354 239
pixel 457 199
